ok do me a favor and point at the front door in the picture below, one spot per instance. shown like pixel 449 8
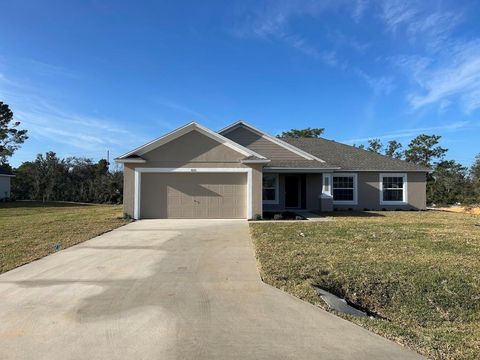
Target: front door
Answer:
pixel 292 191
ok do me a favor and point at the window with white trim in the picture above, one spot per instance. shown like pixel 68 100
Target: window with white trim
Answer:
pixel 327 187
pixel 270 188
pixel 393 188
pixel 344 188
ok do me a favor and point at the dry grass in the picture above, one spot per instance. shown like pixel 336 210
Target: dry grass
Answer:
pixel 474 210
pixel 31 230
pixel 419 270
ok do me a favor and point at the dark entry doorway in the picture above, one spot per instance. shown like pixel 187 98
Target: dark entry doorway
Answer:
pixel 292 191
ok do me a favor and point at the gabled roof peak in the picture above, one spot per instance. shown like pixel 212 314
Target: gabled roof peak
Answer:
pixel 184 130
pixel 273 139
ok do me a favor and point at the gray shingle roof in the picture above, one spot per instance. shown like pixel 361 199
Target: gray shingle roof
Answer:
pixel 349 157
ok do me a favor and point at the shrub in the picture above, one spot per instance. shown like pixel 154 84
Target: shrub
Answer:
pixel 277 217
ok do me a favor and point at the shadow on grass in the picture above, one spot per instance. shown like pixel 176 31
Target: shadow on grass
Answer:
pixel 40 204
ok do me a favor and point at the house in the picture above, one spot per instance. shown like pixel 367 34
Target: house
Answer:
pixel 241 171
pixel 5 176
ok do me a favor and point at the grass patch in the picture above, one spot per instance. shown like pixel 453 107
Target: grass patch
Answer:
pixel 31 230
pixel 419 270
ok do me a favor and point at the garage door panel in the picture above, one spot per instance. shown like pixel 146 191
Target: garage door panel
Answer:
pixel 187 195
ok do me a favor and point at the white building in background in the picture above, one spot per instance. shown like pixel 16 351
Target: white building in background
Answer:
pixel 5 183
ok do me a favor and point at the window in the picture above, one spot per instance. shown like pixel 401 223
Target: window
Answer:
pixel 270 188
pixel 327 180
pixel 393 188
pixel 345 189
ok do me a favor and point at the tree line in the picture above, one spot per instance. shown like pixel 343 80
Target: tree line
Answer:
pixel 50 178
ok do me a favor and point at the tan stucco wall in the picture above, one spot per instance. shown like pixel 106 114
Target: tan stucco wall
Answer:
pixel 191 150
pixel 192 147
pixel 369 192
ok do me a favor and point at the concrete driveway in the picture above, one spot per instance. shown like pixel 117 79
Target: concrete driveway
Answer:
pixel 168 289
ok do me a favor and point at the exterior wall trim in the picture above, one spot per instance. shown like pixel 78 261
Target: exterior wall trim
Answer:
pixel 128 161
pixel 327 189
pixel 355 190
pixel 262 161
pixel 405 188
pixel 138 178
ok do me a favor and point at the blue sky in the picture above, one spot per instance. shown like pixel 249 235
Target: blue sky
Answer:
pixel 85 76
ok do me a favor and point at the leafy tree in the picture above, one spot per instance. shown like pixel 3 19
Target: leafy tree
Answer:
pixel 10 136
pixel 361 146
pixel 302 133
pixel 23 183
pixel 424 149
pixel 449 183
pixel 375 145
pixel 394 149
pixel 475 169
pixel 475 177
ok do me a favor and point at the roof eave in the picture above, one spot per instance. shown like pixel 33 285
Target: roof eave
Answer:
pixel 385 170
pixel 127 161
pixel 292 169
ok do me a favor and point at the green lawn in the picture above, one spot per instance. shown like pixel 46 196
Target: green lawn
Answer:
pixel 30 230
pixel 419 270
